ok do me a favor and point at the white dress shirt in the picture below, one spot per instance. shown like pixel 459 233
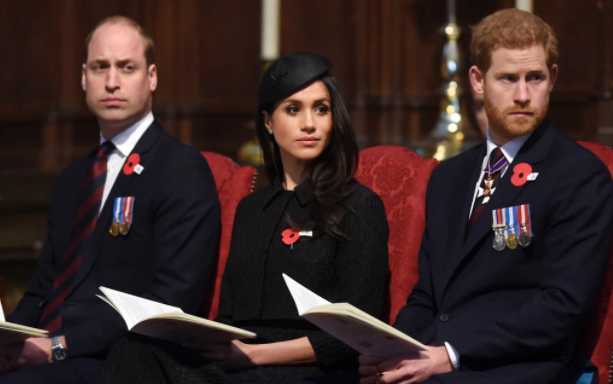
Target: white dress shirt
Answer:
pixel 124 144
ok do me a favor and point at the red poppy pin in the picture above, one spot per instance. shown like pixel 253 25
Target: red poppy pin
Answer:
pixel 133 165
pixel 291 235
pixel 522 173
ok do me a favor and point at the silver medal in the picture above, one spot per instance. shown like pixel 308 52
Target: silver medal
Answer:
pixel 498 243
pixel 524 237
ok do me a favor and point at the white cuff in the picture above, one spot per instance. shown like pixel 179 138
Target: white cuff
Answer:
pixel 454 356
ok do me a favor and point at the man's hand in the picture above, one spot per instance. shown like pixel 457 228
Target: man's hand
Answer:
pixel 408 369
pixel 33 351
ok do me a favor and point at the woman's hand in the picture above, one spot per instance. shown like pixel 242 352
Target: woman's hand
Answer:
pixel 241 355
pixel 234 354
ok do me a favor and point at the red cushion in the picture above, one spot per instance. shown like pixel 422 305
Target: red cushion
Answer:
pixel 400 178
pixel 603 152
pixel 233 182
pixel 604 343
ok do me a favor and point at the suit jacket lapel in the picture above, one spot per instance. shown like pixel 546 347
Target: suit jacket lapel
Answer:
pixel 532 152
pixel 506 194
pixel 123 186
pixel 124 182
pixel 455 219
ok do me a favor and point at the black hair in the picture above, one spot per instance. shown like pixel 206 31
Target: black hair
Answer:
pixel 331 173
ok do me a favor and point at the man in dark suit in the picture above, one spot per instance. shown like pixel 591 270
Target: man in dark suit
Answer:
pixel 140 215
pixel 517 234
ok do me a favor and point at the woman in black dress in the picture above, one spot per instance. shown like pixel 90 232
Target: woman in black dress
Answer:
pixel 314 223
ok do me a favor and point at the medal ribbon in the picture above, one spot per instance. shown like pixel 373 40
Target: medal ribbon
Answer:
pixel 117 208
pixel 524 218
pixel 497 218
pixel 517 219
pixel 128 205
pixel 510 217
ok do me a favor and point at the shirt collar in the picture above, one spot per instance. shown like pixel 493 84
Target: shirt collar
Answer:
pixel 509 149
pixel 126 140
pixel 274 189
pixel 303 191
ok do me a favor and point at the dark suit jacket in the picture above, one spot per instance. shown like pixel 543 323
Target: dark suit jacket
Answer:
pixel 169 254
pixel 517 314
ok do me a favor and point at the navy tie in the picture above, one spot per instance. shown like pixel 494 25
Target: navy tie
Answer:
pixel 496 164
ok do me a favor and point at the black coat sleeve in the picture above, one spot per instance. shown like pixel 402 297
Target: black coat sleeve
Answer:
pixel 362 270
pixel 415 318
pixel 187 229
pixel 226 302
pixel 30 307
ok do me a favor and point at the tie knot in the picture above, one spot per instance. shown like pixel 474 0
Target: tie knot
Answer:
pixel 104 150
pixel 497 161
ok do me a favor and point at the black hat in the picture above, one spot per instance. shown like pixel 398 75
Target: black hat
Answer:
pixel 289 74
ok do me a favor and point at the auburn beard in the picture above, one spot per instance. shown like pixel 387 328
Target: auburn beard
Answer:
pixel 505 127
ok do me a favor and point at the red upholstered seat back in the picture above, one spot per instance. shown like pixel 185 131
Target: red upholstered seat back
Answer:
pixel 604 344
pixel 400 178
pixel 233 182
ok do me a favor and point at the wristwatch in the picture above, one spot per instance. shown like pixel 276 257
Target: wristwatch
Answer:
pixel 58 350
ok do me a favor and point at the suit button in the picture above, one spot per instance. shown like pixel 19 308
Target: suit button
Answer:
pixel 443 317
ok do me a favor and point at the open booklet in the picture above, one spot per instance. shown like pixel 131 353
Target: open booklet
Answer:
pixel 356 328
pixel 150 318
pixel 14 333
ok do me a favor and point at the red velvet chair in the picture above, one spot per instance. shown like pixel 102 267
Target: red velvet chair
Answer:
pixel 603 351
pixel 233 182
pixel 399 177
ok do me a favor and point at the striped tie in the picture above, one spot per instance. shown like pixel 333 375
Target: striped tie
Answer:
pixel 83 226
pixel 496 164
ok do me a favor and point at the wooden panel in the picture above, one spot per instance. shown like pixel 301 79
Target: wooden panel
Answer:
pixel 28 65
pixel 604 47
pixel 163 28
pixel 229 42
pixel 574 23
pixel 71 53
pixel 577 118
pixel 386 53
pixel 325 27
